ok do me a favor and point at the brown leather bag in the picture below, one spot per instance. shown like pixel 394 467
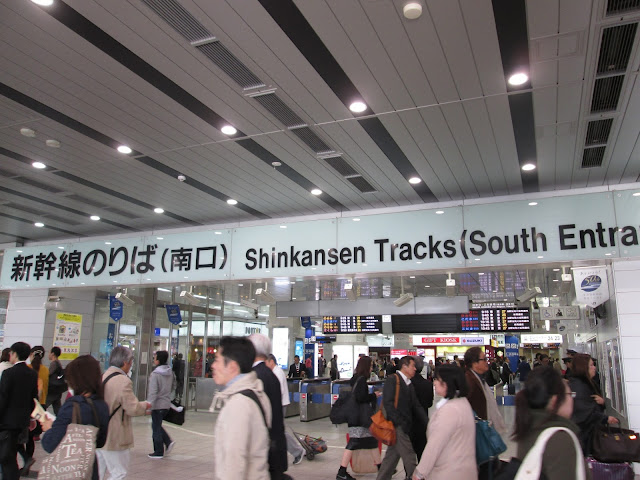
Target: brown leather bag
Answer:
pixel 381 428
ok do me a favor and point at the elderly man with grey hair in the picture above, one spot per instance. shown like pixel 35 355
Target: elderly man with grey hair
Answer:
pixel 278 463
pixel 113 458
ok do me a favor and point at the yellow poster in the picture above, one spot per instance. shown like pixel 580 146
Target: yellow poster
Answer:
pixel 67 335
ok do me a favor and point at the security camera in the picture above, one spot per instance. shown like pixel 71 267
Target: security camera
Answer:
pixel 265 296
pixel 247 303
pixel 125 299
pixel 189 297
pixel 182 178
pixel 404 299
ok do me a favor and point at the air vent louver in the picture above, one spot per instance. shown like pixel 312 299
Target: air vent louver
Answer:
pixel 361 184
pixel 312 140
pixel 229 64
pixel 615 48
pixel 342 167
pixel 606 93
pixel 619 6
pixel 122 213
pixel 88 201
pixel 276 107
pixel 592 157
pixel 598 132
pixel 180 19
pixel 35 183
pixel 65 220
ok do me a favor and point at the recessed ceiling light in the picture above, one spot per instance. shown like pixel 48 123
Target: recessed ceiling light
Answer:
pixel 28 132
pixel 412 10
pixel 229 130
pixel 533 204
pixel 427 286
pixel 527 167
pixel 124 149
pixel 356 219
pixel 159 238
pixel 158 210
pixel 283 226
pixel 231 201
pixel 218 233
pixel 316 191
pixel 52 143
pixel 556 269
pixel 415 180
pixel 412 276
pixel 276 164
pixel 556 280
pixel 39 224
pixel 637 194
pixel 241 284
pixel 480 273
pixel 61 248
pixel 358 107
pixel 439 212
pixel 38 165
pixel 518 79
pixel 19 251
pixel 95 218
pixel 43 3
pixel 107 243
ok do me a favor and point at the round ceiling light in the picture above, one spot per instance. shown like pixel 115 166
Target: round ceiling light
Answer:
pixel 39 224
pixel 518 79
pixel 28 132
pixel 231 201
pixel 276 164
pixel 415 180
pixel 527 167
pixel 38 165
pixel 412 10
pixel 533 204
pixel 316 191
pixel 95 218
pixel 158 210
pixel 124 149
pixel 229 130
pixel 358 107
pixel 43 3
pixel 52 143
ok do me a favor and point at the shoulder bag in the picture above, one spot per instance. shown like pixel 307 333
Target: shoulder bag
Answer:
pixel 75 455
pixel 345 409
pixel 615 444
pixel 175 414
pixel 381 428
pixel 489 443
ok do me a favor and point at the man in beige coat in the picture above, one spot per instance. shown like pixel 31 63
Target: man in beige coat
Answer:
pixel 241 436
pixel 113 458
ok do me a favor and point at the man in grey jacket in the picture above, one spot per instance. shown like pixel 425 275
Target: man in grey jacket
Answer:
pixel 160 387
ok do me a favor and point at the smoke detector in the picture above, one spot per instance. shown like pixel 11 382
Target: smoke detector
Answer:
pixel 412 10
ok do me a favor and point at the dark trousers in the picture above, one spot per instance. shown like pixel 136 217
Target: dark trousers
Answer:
pixel 159 435
pixel 54 399
pixel 10 469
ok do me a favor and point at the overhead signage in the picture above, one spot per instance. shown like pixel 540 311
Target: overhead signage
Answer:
pixel 591 284
pixel 564 228
pixel 173 312
pixel 541 338
pixel 352 324
pixel 496 320
pixel 115 308
pixel 571 312
pixel 421 340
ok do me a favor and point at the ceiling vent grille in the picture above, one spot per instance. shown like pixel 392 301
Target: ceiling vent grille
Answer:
pixel 88 201
pixel 615 49
pixel 592 157
pixel 23 208
pixel 619 6
pixel 35 183
pixel 229 64
pixel 598 132
pixel 342 167
pixel 606 93
pixel 361 184
pixel 313 141
pixel 65 220
pixel 122 213
pixel 276 107
pixel 180 19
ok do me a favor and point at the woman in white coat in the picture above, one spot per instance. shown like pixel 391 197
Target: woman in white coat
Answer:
pixel 451 435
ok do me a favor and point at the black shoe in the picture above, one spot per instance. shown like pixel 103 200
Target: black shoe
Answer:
pixel 28 463
pixel 155 455
pixel 346 476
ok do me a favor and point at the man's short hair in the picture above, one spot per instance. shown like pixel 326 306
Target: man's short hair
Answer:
pixel 406 360
pixel 240 350
pixel 472 355
pixel 296 356
pixel 419 361
pixel 119 356
pixel 261 343
pixel 162 356
pixel 273 358
pixel 56 351
pixel 22 350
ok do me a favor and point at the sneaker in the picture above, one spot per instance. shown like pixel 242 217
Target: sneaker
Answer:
pixel 297 459
pixel 155 455
pixel 346 476
pixel 167 450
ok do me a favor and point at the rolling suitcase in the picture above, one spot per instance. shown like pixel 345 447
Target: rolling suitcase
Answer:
pixel 609 471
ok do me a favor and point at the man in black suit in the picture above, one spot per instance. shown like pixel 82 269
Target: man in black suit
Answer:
pixel 18 388
pixel 407 411
pixel 297 369
pixel 424 394
pixel 278 462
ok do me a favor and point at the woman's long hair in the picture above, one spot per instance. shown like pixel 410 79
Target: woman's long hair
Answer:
pixel 541 384
pixel 84 376
pixel 580 369
pixel 363 367
pixel 38 353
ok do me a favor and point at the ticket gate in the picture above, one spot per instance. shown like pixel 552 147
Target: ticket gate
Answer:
pixel 315 399
pixel 338 386
pixel 293 408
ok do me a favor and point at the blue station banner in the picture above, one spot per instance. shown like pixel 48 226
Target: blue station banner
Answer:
pixel 173 312
pixel 115 308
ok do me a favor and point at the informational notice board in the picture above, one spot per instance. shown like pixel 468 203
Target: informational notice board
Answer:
pixel 66 334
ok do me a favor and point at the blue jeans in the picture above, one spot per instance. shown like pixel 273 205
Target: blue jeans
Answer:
pixel 158 434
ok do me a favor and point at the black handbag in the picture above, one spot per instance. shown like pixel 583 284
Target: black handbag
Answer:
pixel 615 445
pixel 346 409
pixel 174 416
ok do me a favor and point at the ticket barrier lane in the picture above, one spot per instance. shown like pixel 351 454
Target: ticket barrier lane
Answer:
pixel 293 408
pixel 338 386
pixel 315 399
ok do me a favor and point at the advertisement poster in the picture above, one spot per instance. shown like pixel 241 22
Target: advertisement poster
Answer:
pixel 592 286
pixel 66 335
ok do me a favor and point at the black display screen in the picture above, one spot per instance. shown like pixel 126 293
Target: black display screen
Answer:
pixel 352 324
pixel 425 323
pixel 496 320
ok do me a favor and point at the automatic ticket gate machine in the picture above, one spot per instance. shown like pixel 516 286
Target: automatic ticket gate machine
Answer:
pixel 315 398
pixel 293 408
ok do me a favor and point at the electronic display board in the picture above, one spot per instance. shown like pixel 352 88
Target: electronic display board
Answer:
pixel 496 320
pixel 352 324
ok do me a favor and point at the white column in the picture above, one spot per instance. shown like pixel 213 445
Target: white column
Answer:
pixel 26 317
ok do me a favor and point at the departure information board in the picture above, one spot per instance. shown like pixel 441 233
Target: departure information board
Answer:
pixel 352 324
pixel 496 320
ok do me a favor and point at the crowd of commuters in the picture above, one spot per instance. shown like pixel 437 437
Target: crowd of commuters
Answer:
pixel 250 440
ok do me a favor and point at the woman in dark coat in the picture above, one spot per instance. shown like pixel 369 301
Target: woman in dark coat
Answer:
pixel 588 409
pixel 83 377
pixel 359 436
